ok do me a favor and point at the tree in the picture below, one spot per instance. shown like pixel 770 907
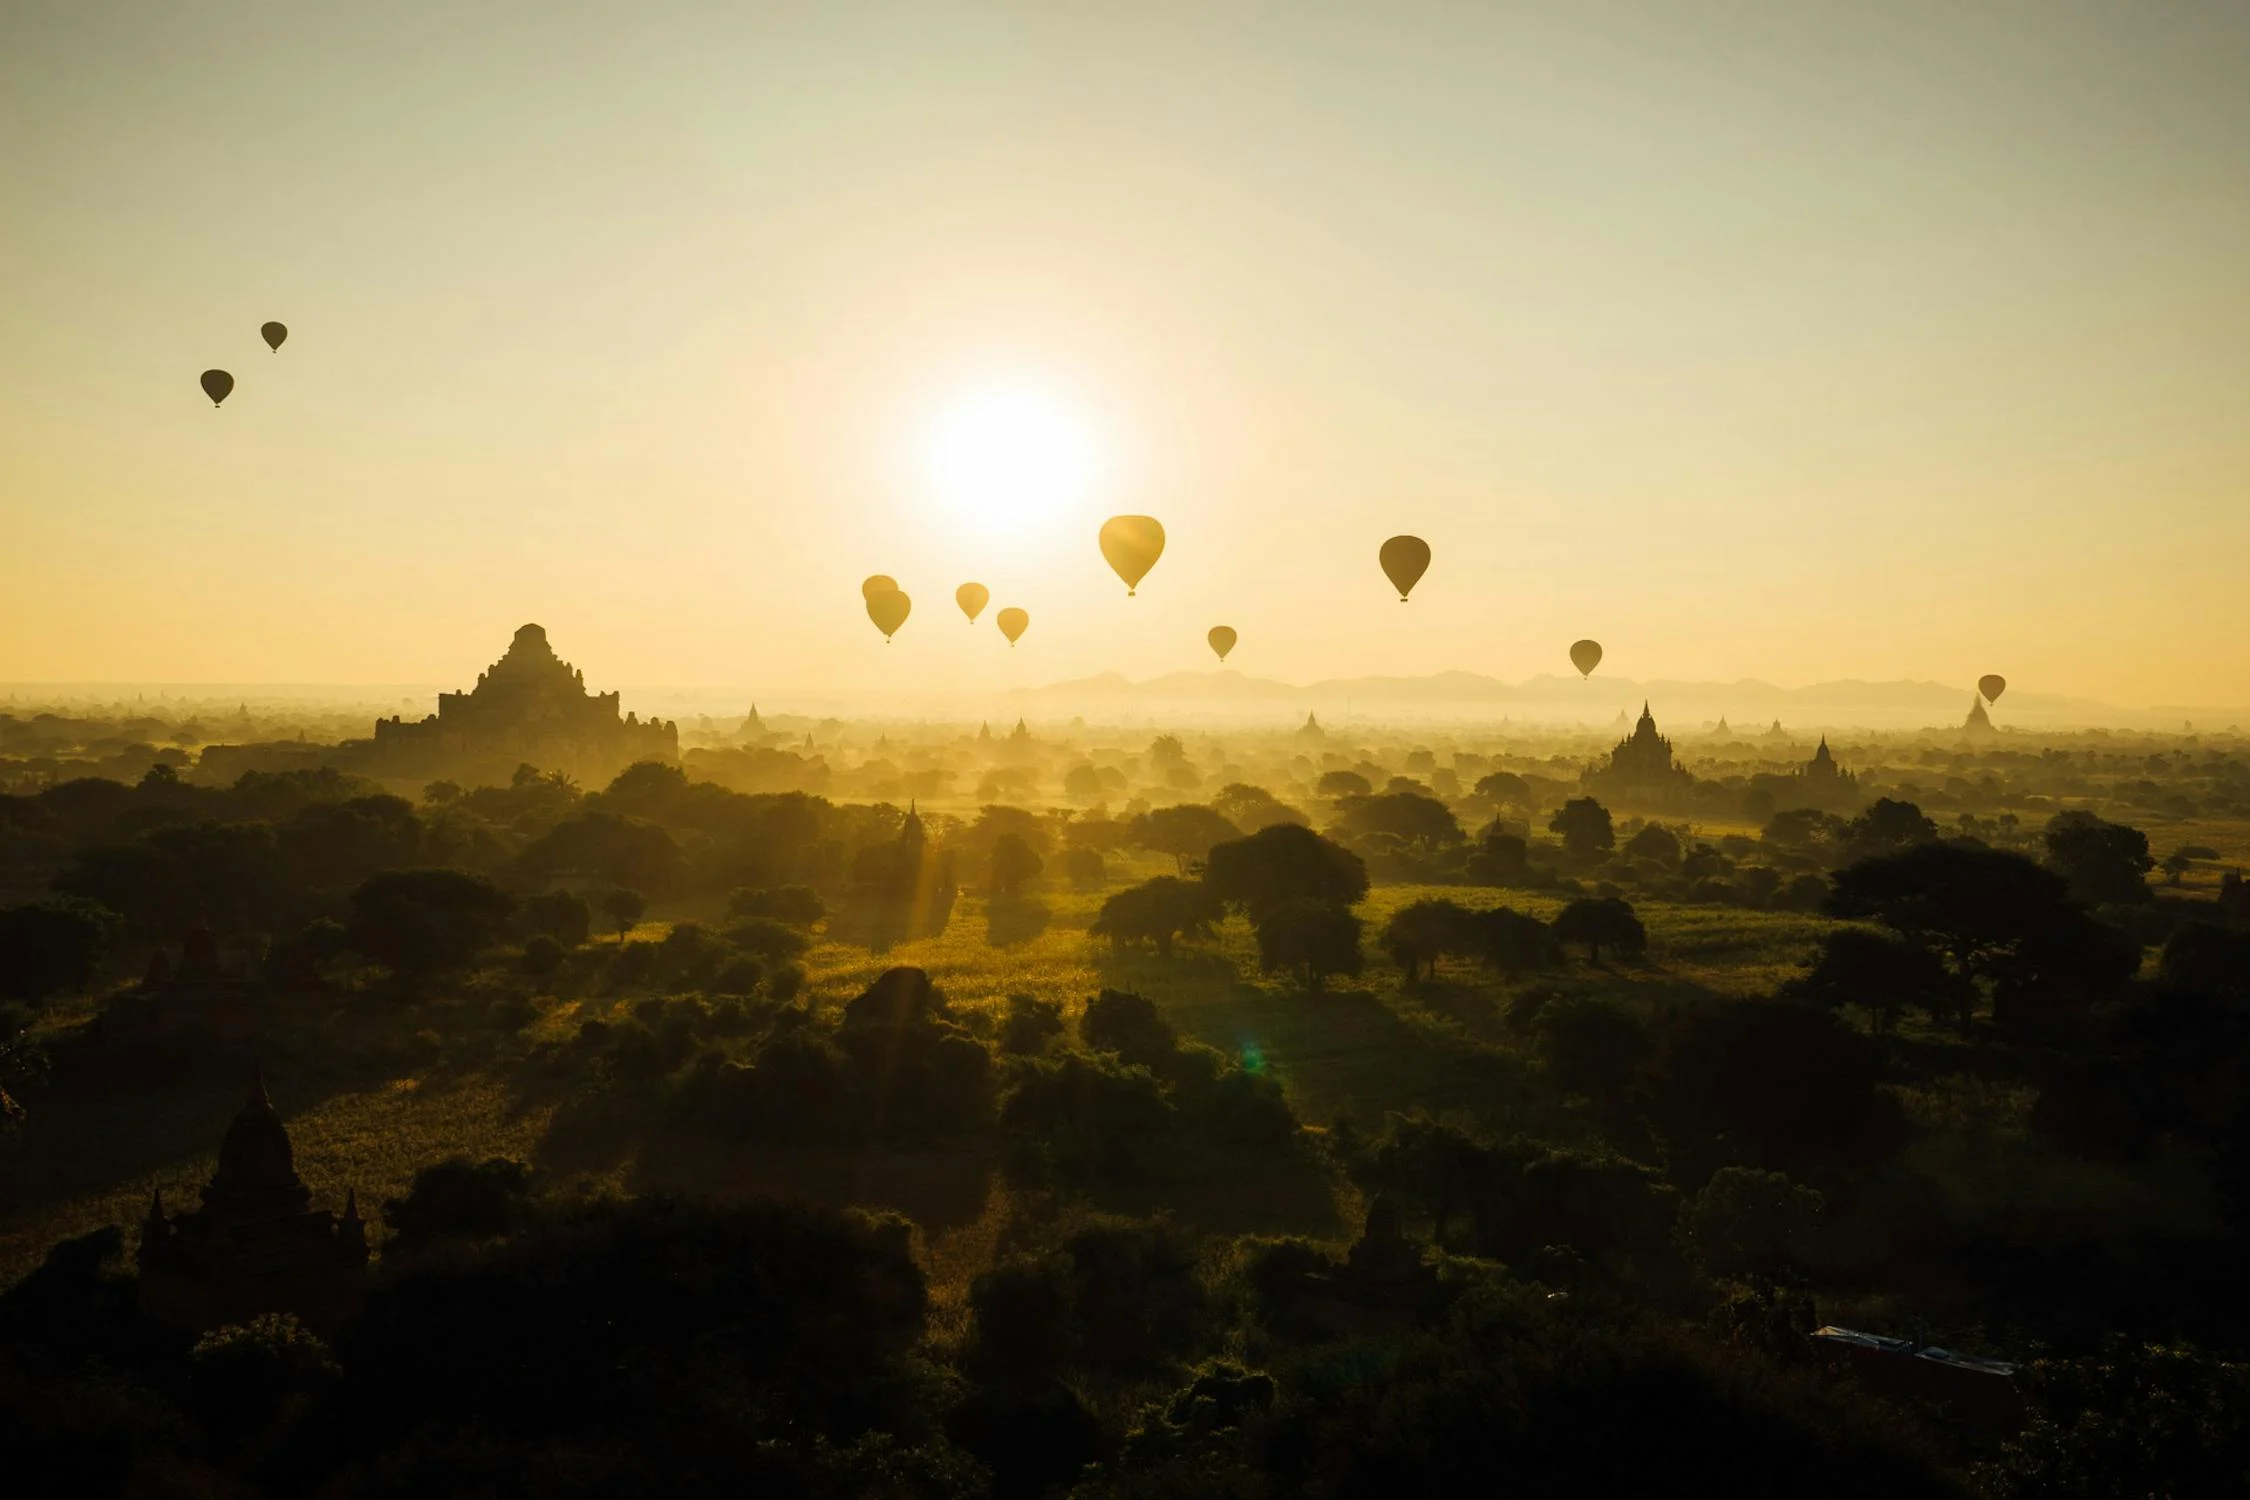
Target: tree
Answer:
pixel 1751 1223
pixel 1592 1047
pixel 2105 863
pixel 336 844
pixel 1513 943
pixel 1407 816
pixel 561 915
pixel 50 946
pixel 1599 922
pixel 763 938
pixel 1082 783
pixel 1309 937
pixel 1505 788
pixel 423 922
pixel 1158 911
pixel 1282 863
pixel 1500 858
pixel 1887 827
pixel 1166 751
pixel 1803 830
pixel 1129 1025
pixel 1774 1084
pixel 625 908
pixel 1418 935
pixel 1883 975
pixel 1583 826
pixel 1341 784
pixel 1251 808
pixel 457 1199
pixel 1186 831
pixel 1015 864
pixel 1997 919
pixel 796 905
pixel 623 850
pixel 2208 960
pixel 1655 841
pixel 1082 867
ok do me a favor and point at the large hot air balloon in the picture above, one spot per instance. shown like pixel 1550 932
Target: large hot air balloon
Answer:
pixel 888 609
pixel 217 384
pixel 1012 623
pixel 1585 656
pixel 1132 544
pixel 1405 559
pixel 972 597
pixel 1222 640
pixel 1992 685
pixel 877 583
pixel 274 333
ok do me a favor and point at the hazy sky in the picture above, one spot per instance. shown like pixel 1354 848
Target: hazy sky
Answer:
pixel 1791 340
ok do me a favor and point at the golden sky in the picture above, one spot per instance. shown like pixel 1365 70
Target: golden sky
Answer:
pixel 1790 340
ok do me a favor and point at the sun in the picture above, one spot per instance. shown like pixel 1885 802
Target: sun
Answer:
pixel 1010 455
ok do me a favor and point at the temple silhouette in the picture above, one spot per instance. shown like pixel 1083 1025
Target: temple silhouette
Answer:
pixel 1642 766
pixel 256 1245
pixel 531 707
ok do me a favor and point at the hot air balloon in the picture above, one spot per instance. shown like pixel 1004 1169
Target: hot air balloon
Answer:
pixel 1585 656
pixel 274 333
pixel 1992 685
pixel 217 384
pixel 1132 544
pixel 972 597
pixel 888 609
pixel 1222 640
pixel 877 583
pixel 1405 559
pixel 1012 623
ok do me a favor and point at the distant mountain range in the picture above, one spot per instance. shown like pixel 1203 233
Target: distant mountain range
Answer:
pixel 1746 705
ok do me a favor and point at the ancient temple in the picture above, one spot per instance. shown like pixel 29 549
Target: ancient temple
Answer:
pixel 199 995
pixel 1978 722
pixel 529 707
pixel 1822 769
pixel 1642 764
pixel 256 1245
pixel 1312 729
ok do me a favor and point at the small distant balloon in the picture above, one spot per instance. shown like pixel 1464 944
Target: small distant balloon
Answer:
pixel 1012 624
pixel 1585 656
pixel 877 583
pixel 1132 544
pixel 217 384
pixel 1405 559
pixel 1222 640
pixel 1992 685
pixel 274 333
pixel 888 609
pixel 972 597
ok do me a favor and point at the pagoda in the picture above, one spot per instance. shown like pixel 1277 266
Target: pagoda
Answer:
pixel 256 1245
pixel 532 707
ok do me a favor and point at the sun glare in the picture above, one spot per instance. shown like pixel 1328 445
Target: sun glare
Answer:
pixel 1008 456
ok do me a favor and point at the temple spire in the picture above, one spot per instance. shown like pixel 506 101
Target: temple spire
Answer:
pixel 258 1098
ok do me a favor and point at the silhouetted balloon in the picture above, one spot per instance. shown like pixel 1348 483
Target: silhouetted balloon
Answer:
pixel 1012 623
pixel 1992 685
pixel 972 597
pixel 877 583
pixel 888 610
pixel 217 384
pixel 1132 544
pixel 274 334
pixel 1405 559
pixel 1222 640
pixel 1585 656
